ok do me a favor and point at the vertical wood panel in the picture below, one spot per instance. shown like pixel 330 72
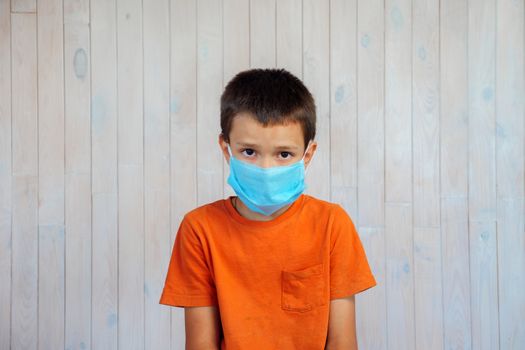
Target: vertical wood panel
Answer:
pixel 454 174
pixel 510 180
pixel 156 163
pixel 104 174
pixel 343 104
pixel 23 5
pixel 425 95
pixel 399 276
pixel 78 175
pixel 316 77
pixel 24 309
pixel 426 181
pixel 51 228
pixel 209 88
pixel 289 45
pixel 5 175
pixel 399 235
pixel 183 153
pixel 398 101
pixel 262 33
pixel 370 113
pixel 482 174
pixel 131 287
pixel 236 46
pixel 108 136
pixel 371 306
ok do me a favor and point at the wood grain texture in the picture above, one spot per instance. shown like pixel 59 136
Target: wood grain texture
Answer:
pixel 288 36
pixel 343 104
pixel 370 220
pixel 6 184
pixel 209 89
pixel 156 167
pixel 130 162
pixel 104 175
pixel 78 211
pixel 510 178
pixel 236 46
pixel 316 75
pixel 24 135
pixel 51 150
pixel 482 174
pixel 183 153
pixel 109 122
pixel 457 329
pixel 262 33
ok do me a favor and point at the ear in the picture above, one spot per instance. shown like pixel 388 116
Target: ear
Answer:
pixel 310 152
pixel 224 148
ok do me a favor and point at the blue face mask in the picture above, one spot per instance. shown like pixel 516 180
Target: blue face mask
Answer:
pixel 266 190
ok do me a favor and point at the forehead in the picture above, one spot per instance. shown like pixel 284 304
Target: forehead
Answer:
pixel 245 128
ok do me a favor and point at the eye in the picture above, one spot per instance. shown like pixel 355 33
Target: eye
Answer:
pixel 286 155
pixel 249 152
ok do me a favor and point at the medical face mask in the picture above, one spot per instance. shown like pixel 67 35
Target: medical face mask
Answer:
pixel 266 190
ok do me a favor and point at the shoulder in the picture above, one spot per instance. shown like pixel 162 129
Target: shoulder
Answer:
pixel 324 208
pixel 204 213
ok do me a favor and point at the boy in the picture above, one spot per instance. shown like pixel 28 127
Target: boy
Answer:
pixel 270 268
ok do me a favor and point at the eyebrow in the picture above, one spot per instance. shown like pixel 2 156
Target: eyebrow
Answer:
pixel 256 146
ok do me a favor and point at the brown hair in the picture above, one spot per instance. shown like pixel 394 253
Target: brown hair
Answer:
pixel 273 96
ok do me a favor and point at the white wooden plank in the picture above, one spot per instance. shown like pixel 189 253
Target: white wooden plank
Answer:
pixel 428 288
pixel 23 6
pixel 457 330
pixel 398 101
pixel 370 113
pixel 426 202
pixel 288 34
pixel 77 175
pixel 156 166
pixel 51 230
pixel 316 77
pixel 371 319
pixel 510 180
pixel 6 184
pixel 511 271
pixel 236 54
pixel 131 173
pixel 262 33
pixel 371 306
pixel 343 104
pixel 482 174
pixel 399 276
pixel 482 80
pixel 483 285
pixel 24 308
pixel 425 84
pixel 209 88
pixel 183 179
pixel 398 178
pixel 104 174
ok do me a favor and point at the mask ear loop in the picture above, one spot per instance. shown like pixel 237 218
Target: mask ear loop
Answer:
pixel 306 168
pixel 229 150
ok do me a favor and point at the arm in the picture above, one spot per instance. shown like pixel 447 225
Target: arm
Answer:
pixel 341 325
pixel 202 328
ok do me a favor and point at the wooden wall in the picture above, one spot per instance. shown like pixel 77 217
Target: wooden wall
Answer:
pixel 109 119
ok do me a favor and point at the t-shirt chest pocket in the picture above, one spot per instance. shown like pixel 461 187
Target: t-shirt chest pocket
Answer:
pixel 303 289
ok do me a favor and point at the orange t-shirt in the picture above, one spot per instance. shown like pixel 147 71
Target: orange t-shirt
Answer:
pixel 271 280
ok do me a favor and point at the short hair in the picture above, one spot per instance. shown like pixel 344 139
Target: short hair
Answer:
pixel 274 96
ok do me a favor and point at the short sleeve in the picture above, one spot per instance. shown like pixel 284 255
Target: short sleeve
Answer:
pixel 349 269
pixel 188 280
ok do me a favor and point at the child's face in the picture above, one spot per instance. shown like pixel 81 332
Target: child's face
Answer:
pixel 266 147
